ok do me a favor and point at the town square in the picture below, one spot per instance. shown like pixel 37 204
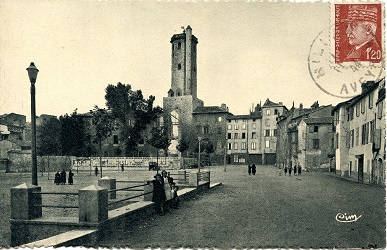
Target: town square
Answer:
pixel 192 124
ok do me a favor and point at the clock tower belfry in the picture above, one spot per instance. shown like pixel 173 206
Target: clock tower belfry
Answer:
pixel 183 68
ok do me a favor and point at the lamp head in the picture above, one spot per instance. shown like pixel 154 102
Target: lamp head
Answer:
pixel 32 72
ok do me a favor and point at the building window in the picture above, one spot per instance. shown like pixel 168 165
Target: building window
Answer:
pixel 243 135
pixel 235 145
pixel 229 126
pixel 206 129
pixel 337 140
pixel 357 109
pixel 236 126
pixel 253 135
pixel 315 129
pixel 267 132
pixel 352 138
pixel 254 125
pixel 236 158
pixel 380 110
pixel 243 145
pixel 179 45
pixel 316 144
pixel 229 121
pixel 267 111
pixel 179 66
pixel 228 135
pixel 253 145
pixel 267 144
pixel 236 136
pixel 350 114
pixel 244 126
pixel 371 100
pixel 229 146
pixel 276 111
pixel 219 119
pixel 115 139
pixel 267 122
pixel 357 136
pixel 275 132
pixel 362 105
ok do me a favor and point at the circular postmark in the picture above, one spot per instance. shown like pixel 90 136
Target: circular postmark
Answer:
pixel 342 80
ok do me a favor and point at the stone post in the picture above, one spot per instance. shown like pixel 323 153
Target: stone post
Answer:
pixel 148 188
pixel 193 179
pixel 93 204
pixel 26 202
pixel 109 184
pixel 182 177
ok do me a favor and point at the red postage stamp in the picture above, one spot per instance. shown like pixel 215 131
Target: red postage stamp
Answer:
pixel 358 33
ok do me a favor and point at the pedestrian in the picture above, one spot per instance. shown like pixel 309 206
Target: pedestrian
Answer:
pixel 299 169
pixel 175 201
pixel 122 166
pixel 286 170
pixel 253 169
pixel 249 169
pixel 167 181
pixel 71 181
pixel 290 170
pixel 96 171
pixel 57 178
pixel 63 177
pixel 159 197
pixel 295 169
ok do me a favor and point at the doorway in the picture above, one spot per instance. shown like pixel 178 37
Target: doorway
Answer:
pixel 360 168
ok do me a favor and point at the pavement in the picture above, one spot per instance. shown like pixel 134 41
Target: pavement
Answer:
pixel 267 210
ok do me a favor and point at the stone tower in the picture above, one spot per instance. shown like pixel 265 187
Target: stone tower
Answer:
pixel 182 96
pixel 184 80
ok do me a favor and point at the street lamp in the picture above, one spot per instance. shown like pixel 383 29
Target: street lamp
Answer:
pixel 199 139
pixel 32 74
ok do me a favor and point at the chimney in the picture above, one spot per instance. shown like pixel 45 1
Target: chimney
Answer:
pixel 300 110
pixel 223 106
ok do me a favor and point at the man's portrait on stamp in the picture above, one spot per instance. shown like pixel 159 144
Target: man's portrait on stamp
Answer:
pixel 358 32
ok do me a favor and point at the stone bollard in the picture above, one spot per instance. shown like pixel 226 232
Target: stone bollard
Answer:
pixel 182 177
pixel 148 188
pixel 109 184
pixel 193 179
pixel 26 202
pixel 93 204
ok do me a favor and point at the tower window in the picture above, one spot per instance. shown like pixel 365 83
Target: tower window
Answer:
pixel 179 66
pixel 179 45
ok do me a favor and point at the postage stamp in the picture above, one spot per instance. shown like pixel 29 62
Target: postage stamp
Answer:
pixel 349 52
pixel 358 32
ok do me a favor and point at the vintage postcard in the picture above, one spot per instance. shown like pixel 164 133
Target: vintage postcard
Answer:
pixel 174 124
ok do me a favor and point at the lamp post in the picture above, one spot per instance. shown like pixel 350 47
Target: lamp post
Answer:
pixel 32 74
pixel 199 139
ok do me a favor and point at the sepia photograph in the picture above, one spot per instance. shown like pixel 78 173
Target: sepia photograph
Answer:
pixel 192 124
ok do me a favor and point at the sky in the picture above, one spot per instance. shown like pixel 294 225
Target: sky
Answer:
pixel 247 52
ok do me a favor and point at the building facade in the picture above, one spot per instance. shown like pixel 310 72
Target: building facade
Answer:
pixel 360 135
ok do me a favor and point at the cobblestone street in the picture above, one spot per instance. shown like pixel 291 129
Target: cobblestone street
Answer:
pixel 267 210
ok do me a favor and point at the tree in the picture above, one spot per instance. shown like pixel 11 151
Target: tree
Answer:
pixel 48 139
pixel 73 136
pixel 133 112
pixel 159 139
pixel 103 127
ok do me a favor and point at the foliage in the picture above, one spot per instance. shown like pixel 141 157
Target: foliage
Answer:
pixel 73 138
pixel 206 146
pixel 133 112
pixel 159 138
pixel 103 124
pixel 48 137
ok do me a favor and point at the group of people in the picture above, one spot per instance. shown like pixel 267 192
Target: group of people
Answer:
pixel 60 178
pixel 164 189
pixel 252 169
pixel 297 170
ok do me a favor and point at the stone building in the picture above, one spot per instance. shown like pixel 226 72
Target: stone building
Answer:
pixel 360 135
pixel 12 127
